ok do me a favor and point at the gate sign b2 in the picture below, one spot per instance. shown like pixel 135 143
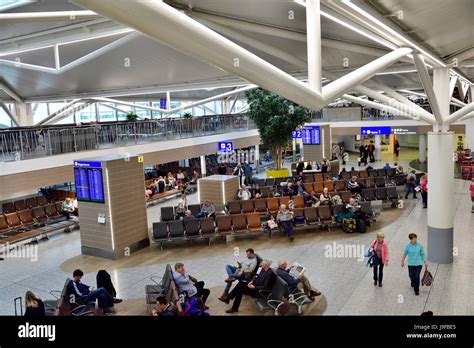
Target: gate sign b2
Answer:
pixel 297 134
pixel 375 130
pixel 226 146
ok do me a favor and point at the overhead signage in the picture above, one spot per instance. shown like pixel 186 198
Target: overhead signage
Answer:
pixel 405 130
pixel 297 134
pixel 87 164
pixel 375 130
pixel 311 135
pixel 226 146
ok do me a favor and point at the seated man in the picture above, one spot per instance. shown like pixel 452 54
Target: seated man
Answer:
pixel 208 209
pixel 164 308
pixel 313 200
pixel 189 285
pixel 244 194
pixel 242 272
pixel 285 218
pixel 301 283
pixel 352 206
pixel 188 215
pixel 387 166
pixel 262 281
pixel 77 289
pixel 353 185
pixel 67 208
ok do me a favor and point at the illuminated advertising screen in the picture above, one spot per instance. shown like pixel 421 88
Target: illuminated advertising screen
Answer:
pixel 89 181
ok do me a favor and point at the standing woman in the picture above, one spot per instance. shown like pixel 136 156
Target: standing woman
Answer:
pixel 416 259
pixel 380 257
pixel 424 190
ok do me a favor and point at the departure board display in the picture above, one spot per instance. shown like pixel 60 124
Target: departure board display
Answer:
pixel 311 135
pixel 89 182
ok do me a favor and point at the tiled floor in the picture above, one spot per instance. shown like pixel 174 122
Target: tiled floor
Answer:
pixel 345 282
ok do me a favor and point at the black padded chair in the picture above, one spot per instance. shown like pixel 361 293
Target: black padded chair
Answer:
pixel 160 231
pixel 381 172
pixel 167 213
pixel 260 182
pixel 390 172
pixel 337 209
pixel 372 173
pixel 369 194
pixel 176 229
pixel 366 207
pixel 270 182
pixel 400 179
pixel 234 207
pixel 380 181
pixel 381 194
pixel 392 193
pixel 195 208
pixel 192 227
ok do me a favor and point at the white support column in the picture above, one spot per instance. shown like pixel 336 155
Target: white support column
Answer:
pixel 301 149
pixel 470 134
pixel 23 113
pixel 257 157
pixel 422 148
pixel 313 37
pixel 168 101
pixel 203 165
pixel 378 147
pixel 441 178
pixel 186 162
pixel 294 149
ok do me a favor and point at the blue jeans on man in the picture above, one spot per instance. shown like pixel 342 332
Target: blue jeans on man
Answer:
pixel 104 299
pixel 232 271
pixel 414 274
pixel 287 227
pixel 410 187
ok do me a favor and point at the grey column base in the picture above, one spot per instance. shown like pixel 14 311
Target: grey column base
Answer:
pixel 440 245
pixel 116 254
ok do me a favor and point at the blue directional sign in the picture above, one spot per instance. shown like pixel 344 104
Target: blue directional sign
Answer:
pixel 163 104
pixel 375 130
pixel 297 134
pixel 87 164
pixel 226 146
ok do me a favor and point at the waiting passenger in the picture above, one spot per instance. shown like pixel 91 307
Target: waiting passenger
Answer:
pixel 340 174
pixel 194 178
pixel 257 192
pixel 345 158
pixel 325 197
pixel 309 166
pixel 180 175
pixel 171 181
pixel 188 215
pixel 262 281
pixel 248 171
pixel 295 284
pixel 471 188
pixel 313 199
pixel 34 307
pixel 352 206
pixel 325 165
pixel 180 211
pixel 221 170
pixel 300 189
pixel 78 289
pixel 243 271
pixel 161 184
pixel 353 186
pixel 416 259
pixel 104 280
pixel 189 285
pixel 67 208
pixel 163 308
pixel 300 167
pixel 380 257
pixel 286 190
pixel 424 190
pixel 387 166
pixel 208 209
pixel 244 194
pixel 284 218
pixel 399 170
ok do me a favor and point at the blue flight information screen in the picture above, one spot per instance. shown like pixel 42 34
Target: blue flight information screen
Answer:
pixel 375 130
pixel 311 135
pixel 226 146
pixel 89 181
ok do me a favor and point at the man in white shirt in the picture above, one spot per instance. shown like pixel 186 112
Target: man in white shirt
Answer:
pixel 244 194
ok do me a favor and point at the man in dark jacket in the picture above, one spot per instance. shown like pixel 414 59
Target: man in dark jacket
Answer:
pixel 262 281
pixel 105 281
pixel 164 308
pixel 371 150
pixel 77 290
pixel 295 284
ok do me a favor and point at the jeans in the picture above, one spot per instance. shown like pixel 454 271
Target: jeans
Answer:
pixel 414 274
pixel 287 227
pixel 408 188
pixel 424 197
pixel 103 298
pixel 378 269
pixel 231 271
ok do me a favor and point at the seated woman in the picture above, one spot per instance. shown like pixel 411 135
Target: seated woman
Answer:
pixel 309 166
pixel 180 210
pixel 353 185
pixel 34 307
pixel 256 192
pixel 325 197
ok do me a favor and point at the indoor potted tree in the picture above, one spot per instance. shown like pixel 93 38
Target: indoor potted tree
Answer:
pixel 276 118
pixel 131 117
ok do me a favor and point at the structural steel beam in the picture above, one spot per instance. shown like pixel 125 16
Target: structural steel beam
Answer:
pixel 56 16
pixel 9 113
pixel 313 44
pixel 58 112
pixel 460 113
pixel 11 92
pixel 428 86
pixel 378 106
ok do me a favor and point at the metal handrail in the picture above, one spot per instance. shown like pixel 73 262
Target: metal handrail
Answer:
pixel 21 143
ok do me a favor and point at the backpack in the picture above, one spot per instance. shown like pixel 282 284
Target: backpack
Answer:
pixel 360 226
pixel 193 307
pixel 349 225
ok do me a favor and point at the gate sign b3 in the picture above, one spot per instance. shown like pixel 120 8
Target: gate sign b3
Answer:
pixel 226 146
pixel 297 134
pixel 375 130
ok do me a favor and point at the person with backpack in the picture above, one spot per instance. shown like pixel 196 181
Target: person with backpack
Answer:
pixel 416 259
pixel 410 184
pixel 380 257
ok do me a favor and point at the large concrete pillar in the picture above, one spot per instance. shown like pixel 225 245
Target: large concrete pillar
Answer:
pixel 470 134
pixel 422 148
pixel 294 149
pixel 23 114
pixel 203 165
pixel 301 149
pixel 441 178
pixel 378 147
pixel 257 157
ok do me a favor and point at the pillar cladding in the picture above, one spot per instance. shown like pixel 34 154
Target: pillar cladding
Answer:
pixel 440 196
pixel 422 148
pixel 378 147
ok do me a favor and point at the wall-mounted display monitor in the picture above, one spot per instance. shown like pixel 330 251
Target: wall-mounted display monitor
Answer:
pixel 311 135
pixel 89 181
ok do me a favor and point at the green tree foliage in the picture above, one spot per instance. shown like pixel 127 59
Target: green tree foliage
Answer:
pixel 276 118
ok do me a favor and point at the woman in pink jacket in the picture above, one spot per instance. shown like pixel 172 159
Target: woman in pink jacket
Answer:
pixel 380 257
pixel 424 190
pixel 472 195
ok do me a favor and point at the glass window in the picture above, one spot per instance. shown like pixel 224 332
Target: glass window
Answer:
pixel 106 114
pixel 40 111
pixel 5 121
pixel 143 113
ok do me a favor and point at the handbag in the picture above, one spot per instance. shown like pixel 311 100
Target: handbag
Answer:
pixel 427 279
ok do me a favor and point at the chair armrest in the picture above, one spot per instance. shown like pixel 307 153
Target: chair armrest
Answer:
pixel 53 292
pixel 79 311
pixel 277 304
pixel 152 278
pixel 264 293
